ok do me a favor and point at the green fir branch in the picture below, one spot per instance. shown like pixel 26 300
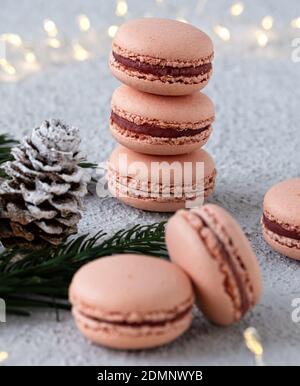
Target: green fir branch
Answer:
pixel 30 278
pixel 6 144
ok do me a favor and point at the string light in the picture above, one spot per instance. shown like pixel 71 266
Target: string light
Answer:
pixel 80 53
pixel 30 57
pixel 7 67
pixel 3 356
pixel 295 23
pixel 13 39
pixel 50 28
pixel 53 42
pixel 267 23
pixel 84 23
pixel 262 38
pixel 121 8
pixel 222 32
pixel 254 344
pixel 112 30
pixel 237 9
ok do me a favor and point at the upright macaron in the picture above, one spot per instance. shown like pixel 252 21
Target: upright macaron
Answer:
pixel 162 56
pixel 281 218
pixel 131 301
pixel 213 250
pixel 160 183
pixel 154 124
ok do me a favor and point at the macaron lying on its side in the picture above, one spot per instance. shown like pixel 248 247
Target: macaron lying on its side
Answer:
pixel 153 124
pixel 281 218
pixel 162 56
pixel 131 301
pixel 160 183
pixel 215 253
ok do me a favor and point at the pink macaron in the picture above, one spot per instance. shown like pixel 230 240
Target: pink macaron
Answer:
pixel 160 183
pixel 162 56
pixel 154 124
pixel 281 218
pixel 131 301
pixel 213 250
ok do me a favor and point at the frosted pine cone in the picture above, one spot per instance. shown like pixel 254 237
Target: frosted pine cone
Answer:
pixel 41 202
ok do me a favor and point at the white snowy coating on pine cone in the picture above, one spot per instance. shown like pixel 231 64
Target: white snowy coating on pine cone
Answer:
pixel 43 198
pixel 54 139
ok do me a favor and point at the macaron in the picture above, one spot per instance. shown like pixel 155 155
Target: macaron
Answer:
pixel 160 183
pixel 281 218
pixel 162 56
pixel 154 124
pixel 213 250
pixel 131 301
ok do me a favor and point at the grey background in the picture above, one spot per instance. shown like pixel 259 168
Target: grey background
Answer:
pixel 255 144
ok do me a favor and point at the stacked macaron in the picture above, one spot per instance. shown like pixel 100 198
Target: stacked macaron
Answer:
pixel 159 116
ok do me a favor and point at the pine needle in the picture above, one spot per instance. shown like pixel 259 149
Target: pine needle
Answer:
pixel 87 165
pixel 6 144
pixel 30 278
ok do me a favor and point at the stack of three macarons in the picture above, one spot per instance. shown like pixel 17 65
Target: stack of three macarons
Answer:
pixel 159 116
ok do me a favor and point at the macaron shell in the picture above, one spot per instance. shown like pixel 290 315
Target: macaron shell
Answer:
pixel 193 108
pixel 127 168
pixel 133 340
pixel 151 205
pixel 161 42
pixel 139 165
pixel 194 111
pixel 156 86
pixel 282 206
pixel 188 251
pixel 158 206
pixel 282 201
pixel 242 246
pixel 164 38
pixel 133 289
pixel 117 299
pixel 281 245
pixel 190 254
pixel 155 146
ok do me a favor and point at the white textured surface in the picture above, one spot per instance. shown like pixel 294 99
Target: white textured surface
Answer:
pixel 255 143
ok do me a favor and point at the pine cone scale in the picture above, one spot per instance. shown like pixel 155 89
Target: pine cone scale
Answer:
pixel 41 203
pixel 40 214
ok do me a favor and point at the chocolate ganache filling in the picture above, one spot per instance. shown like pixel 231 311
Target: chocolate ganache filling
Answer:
pixel 245 303
pixel 159 70
pixel 153 130
pixel 279 230
pixel 149 323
